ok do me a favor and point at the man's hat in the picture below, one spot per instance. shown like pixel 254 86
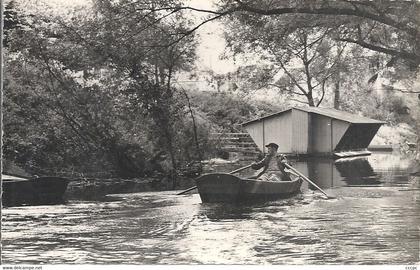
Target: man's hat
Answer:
pixel 272 145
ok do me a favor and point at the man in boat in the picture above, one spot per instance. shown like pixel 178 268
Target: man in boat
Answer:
pixel 273 165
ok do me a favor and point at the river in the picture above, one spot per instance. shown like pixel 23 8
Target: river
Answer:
pixel 374 219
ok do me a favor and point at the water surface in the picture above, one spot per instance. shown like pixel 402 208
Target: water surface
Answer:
pixel 375 219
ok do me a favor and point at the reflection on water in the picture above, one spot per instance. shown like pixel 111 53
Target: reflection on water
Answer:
pixel 329 173
pixel 374 220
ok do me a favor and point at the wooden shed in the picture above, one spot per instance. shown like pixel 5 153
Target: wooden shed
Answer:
pixel 314 131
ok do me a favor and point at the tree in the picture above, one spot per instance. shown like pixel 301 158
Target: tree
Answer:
pixel 389 27
pixel 105 79
pixel 150 56
pixel 299 62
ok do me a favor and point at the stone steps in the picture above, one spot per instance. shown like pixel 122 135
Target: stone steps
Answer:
pixel 238 145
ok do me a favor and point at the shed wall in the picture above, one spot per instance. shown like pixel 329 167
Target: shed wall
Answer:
pixel 278 130
pixel 300 132
pixel 339 128
pixel 256 130
pixel 321 130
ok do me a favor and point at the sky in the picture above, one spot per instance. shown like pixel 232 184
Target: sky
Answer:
pixel 212 43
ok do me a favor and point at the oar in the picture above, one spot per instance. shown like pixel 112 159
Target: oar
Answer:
pixel 185 191
pixel 241 169
pixel 232 172
pixel 307 180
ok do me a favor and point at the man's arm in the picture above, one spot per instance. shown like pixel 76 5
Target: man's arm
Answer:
pixel 260 164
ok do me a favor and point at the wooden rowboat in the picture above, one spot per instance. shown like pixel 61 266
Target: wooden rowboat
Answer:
pixel 35 191
pixel 223 187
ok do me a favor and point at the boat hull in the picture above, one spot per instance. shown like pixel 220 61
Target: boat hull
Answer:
pixel 221 187
pixel 35 191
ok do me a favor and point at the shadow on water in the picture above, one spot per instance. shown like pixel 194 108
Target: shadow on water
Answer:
pixel 243 211
pixel 220 212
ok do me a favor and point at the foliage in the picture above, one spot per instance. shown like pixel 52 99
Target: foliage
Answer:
pixel 389 27
pixel 227 111
pixel 93 92
pixel 298 63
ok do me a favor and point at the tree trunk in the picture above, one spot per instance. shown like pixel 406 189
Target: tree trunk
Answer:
pixel 418 134
pixel 311 101
pixel 170 133
pixel 337 91
pixel 156 74
pixel 194 127
pixel 337 94
pixel 173 161
pixel 418 143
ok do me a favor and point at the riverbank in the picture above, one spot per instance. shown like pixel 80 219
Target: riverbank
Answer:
pixel 96 188
pixel 400 137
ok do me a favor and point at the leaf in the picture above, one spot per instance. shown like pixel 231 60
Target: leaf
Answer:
pixel 373 79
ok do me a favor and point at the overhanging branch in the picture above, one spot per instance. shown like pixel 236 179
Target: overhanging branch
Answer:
pixel 399 53
pixel 329 10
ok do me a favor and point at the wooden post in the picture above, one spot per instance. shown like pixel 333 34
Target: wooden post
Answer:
pixel 263 136
pixel 331 136
pixel 1 95
pixel 418 134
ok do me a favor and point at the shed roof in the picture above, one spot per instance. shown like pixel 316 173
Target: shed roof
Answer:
pixel 329 112
pixel 341 115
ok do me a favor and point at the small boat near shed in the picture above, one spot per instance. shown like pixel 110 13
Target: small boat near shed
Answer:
pixel 19 191
pixel 223 187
